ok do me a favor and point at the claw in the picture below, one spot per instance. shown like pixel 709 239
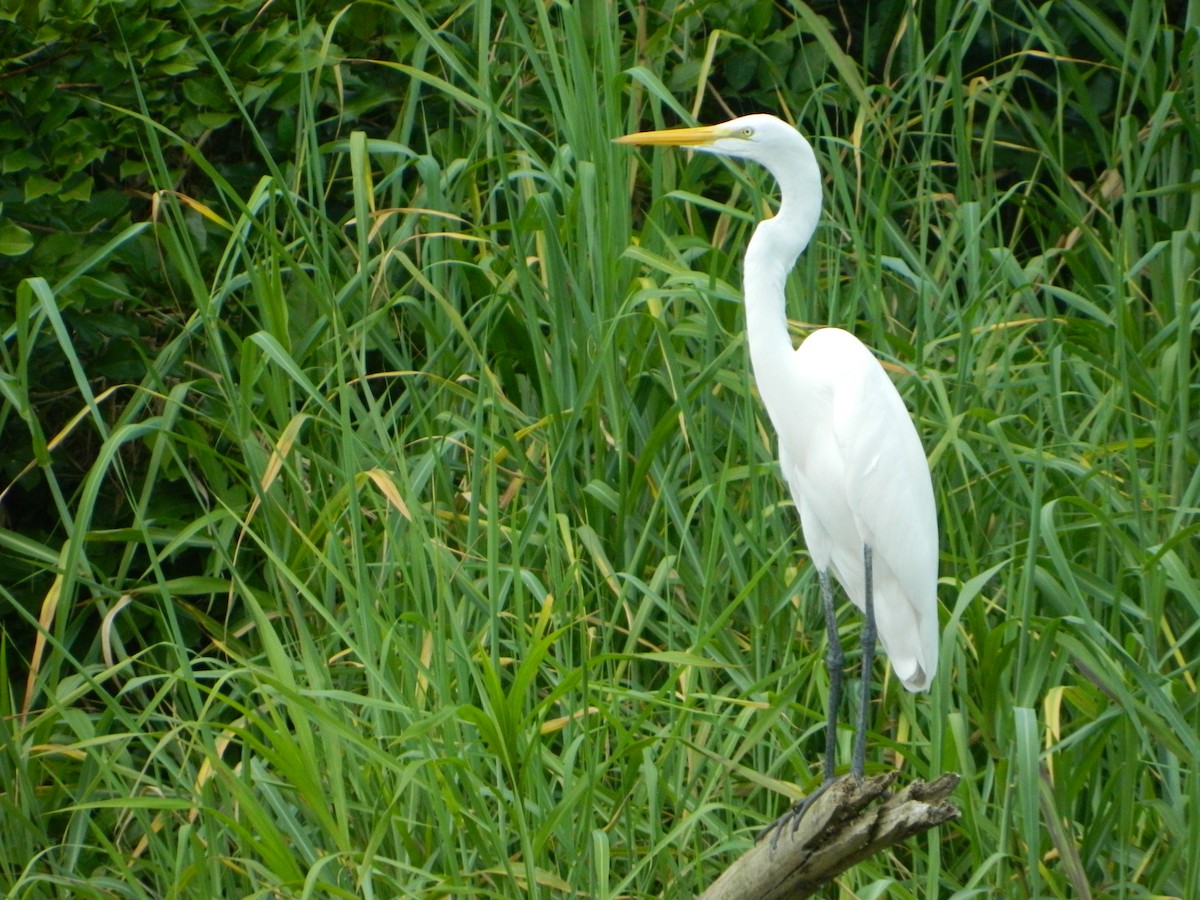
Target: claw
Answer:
pixel 792 816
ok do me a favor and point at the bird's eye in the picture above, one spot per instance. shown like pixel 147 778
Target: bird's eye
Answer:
pixel 747 132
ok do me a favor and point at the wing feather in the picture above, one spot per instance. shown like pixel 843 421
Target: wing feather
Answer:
pixel 867 481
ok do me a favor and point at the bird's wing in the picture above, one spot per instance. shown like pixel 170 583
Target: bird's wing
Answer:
pixel 890 495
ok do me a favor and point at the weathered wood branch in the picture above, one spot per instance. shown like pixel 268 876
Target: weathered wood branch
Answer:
pixel 841 828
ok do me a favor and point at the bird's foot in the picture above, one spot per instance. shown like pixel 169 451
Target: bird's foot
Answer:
pixel 793 816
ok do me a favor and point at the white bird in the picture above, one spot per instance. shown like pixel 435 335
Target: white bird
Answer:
pixel 848 449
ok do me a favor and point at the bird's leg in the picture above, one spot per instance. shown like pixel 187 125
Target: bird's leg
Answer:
pixel 858 758
pixel 834 661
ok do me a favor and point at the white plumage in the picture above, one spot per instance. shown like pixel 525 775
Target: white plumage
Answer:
pixel 847 446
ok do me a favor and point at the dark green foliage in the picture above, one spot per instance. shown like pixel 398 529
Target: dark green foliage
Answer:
pixel 385 507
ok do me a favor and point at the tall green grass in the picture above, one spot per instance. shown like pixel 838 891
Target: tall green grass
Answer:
pixel 451 557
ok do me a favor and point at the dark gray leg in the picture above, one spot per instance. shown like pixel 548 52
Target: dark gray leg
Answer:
pixel 858 759
pixel 834 660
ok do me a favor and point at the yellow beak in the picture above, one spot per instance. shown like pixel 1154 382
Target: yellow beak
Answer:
pixel 674 137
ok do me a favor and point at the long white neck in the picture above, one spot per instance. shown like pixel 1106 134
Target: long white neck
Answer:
pixel 771 254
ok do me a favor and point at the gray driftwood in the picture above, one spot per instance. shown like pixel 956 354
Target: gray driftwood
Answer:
pixel 852 820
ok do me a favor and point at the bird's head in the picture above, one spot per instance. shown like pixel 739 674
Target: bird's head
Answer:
pixel 782 151
pixel 764 139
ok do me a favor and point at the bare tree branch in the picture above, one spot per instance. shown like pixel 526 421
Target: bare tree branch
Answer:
pixel 841 828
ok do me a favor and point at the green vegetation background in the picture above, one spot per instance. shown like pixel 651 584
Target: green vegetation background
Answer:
pixel 385 507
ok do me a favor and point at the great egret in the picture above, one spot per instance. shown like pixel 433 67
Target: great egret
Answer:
pixel 847 447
